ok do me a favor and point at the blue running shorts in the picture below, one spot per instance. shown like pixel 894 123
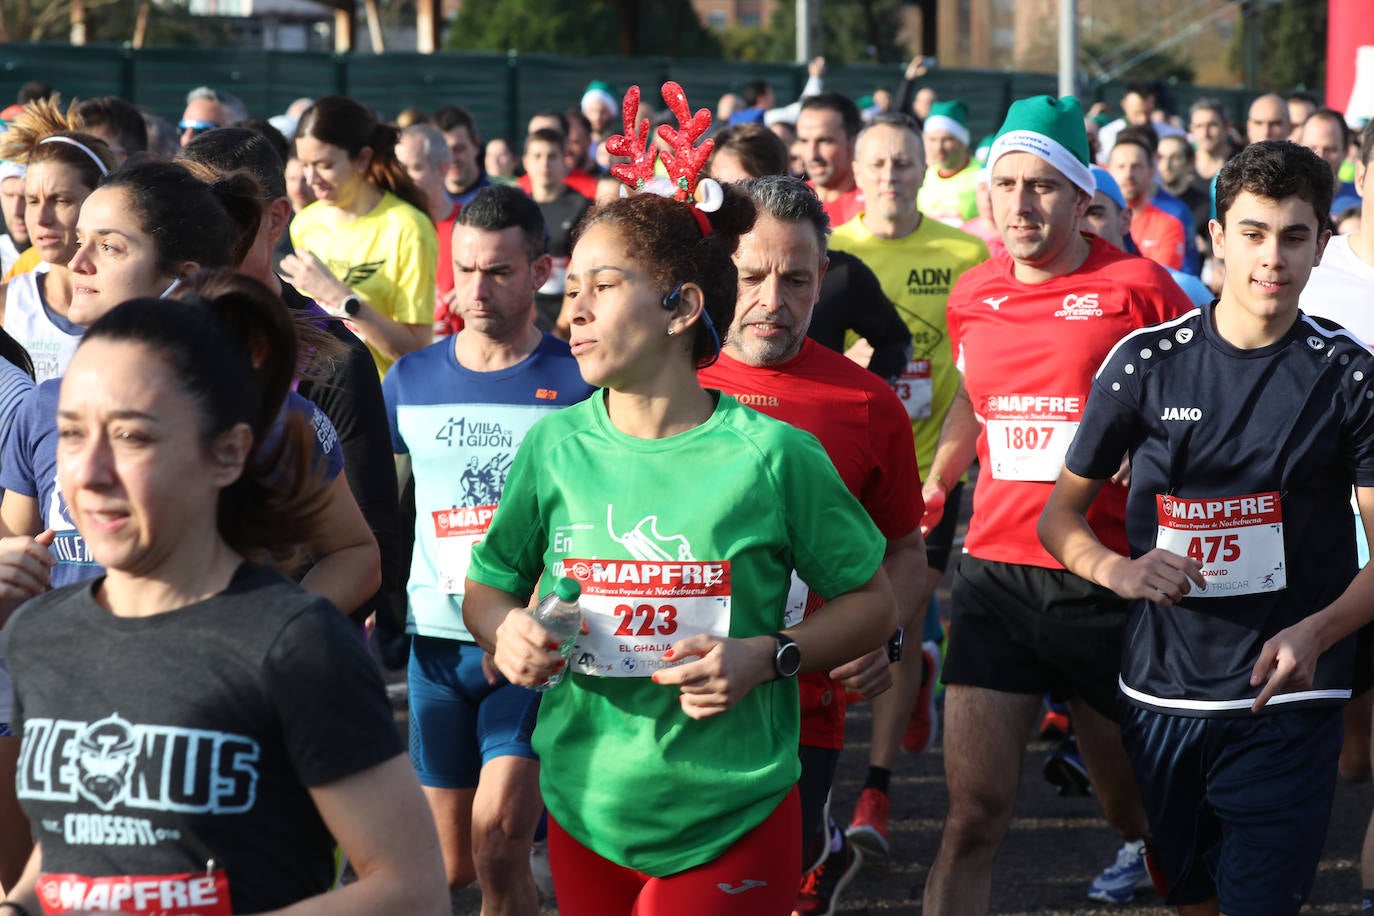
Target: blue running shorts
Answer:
pixel 459 722
pixel 1238 806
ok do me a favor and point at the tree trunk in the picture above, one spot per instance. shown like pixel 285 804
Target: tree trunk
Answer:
pixel 141 22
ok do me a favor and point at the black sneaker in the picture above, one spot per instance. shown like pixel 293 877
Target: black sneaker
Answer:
pixel 820 889
pixel 1064 769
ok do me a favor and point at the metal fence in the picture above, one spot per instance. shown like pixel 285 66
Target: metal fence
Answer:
pixel 501 90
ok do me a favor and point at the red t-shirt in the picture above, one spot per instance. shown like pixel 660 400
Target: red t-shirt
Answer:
pixel 865 430
pixel 446 324
pixel 845 207
pixel 1160 236
pixel 1028 354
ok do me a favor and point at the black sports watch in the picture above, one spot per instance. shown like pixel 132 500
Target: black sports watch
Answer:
pixel 894 646
pixel 351 305
pixel 787 660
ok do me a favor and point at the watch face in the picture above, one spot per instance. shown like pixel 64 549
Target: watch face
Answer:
pixel 788 659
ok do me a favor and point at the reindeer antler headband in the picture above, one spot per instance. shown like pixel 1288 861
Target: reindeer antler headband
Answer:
pixel 684 162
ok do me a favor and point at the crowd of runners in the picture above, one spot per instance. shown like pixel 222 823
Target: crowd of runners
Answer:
pixel 288 400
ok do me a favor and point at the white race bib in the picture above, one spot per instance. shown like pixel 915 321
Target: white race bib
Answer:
pixel 1029 434
pixel 558 278
pixel 636 609
pixel 1238 541
pixel 915 389
pixel 456 532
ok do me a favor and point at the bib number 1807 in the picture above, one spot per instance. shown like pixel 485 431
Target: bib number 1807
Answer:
pixel 1028 437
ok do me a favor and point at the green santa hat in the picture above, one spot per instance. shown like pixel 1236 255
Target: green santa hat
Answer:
pixel 1051 129
pixel 951 117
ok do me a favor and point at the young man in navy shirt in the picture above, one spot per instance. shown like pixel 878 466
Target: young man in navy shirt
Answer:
pixel 1246 423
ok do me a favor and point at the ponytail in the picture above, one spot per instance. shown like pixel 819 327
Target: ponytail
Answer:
pixel 345 123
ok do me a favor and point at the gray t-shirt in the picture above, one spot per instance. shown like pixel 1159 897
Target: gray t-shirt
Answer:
pixel 154 745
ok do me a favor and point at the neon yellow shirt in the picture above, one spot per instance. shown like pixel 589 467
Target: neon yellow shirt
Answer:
pixel 953 200
pixel 388 256
pixel 917 274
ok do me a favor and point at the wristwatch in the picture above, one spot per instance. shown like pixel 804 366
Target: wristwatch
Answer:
pixel 894 646
pixel 351 305
pixel 787 660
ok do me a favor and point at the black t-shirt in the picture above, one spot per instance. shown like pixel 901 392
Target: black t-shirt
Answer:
pixel 852 299
pixel 350 394
pixel 153 745
pixel 561 216
pixel 1208 422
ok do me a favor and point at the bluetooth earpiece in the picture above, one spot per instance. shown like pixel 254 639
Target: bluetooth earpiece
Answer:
pixel 671 300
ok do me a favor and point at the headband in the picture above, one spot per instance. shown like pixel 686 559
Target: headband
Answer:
pixel 104 170
pixel 683 161
pixel 1048 149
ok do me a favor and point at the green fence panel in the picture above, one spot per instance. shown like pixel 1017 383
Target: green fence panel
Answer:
pixel 88 73
pixel 501 90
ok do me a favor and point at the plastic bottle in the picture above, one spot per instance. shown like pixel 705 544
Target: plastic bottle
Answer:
pixel 561 615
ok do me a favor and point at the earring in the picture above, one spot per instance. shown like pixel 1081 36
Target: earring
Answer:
pixel 672 331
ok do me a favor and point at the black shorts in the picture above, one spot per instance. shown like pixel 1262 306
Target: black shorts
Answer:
pixel 1238 806
pixel 1363 677
pixel 1026 629
pixel 940 541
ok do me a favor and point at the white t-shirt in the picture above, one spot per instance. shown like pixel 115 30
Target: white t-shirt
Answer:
pixel 1341 288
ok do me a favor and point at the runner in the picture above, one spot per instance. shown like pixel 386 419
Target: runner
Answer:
pixel 1338 290
pixel 917 260
pixel 277 737
pixel 63 166
pixel 122 257
pixel 687 511
pixel 364 249
pixel 459 410
pixel 850 296
pixel 1027 334
pixel 771 365
pixel 949 191
pixel 1241 569
pixel 344 385
pixel 826 130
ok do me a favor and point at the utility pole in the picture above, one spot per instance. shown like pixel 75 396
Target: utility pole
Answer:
pixel 1068 47
pixel 808 44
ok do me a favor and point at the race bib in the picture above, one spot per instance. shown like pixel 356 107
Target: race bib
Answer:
pixel 1238 541
pixel 456 532
pixel 1029 435
pixel 636 609
pixel 163 895
pixel 558 278
pixel 915 389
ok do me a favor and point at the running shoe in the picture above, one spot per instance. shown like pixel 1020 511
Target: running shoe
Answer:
pixel 1118 883
pixel 868 830
pixel 924 725
pixel 820 889
pixel 1055 724
pixel 1064 769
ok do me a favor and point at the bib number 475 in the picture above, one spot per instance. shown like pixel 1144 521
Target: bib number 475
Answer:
pixel 1207 549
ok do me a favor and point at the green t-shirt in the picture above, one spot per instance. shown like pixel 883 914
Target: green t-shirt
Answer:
pixel 917 274
pixel 696 532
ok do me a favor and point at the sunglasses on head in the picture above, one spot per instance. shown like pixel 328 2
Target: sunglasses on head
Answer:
pixel 196 127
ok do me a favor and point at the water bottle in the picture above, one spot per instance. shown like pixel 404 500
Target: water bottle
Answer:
pixel 561 615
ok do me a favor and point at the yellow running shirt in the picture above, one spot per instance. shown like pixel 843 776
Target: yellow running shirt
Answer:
pixel 388 256
pixel 917 273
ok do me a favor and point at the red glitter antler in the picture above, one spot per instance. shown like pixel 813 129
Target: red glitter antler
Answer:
pixel 684 162
pixel 634 145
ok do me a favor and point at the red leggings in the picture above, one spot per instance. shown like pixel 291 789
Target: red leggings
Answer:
pixel 757 876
